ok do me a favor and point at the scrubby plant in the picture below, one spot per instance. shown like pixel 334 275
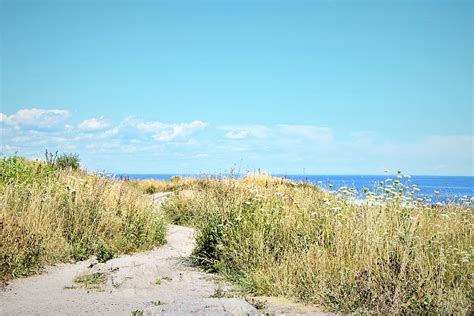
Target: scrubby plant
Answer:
pixel 62 161
pixel 276 237
pixel 50 215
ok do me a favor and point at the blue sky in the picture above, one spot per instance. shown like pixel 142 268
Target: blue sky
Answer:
pixel 322 87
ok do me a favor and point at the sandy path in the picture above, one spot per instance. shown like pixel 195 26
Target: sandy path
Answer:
pixel 130 285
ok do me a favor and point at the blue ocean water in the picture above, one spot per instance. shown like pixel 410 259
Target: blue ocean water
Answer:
pixel 436 188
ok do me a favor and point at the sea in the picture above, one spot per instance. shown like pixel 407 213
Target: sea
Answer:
pixel 435 189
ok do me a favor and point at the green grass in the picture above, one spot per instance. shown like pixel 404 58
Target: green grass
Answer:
pixel 274 237
pixel 51 214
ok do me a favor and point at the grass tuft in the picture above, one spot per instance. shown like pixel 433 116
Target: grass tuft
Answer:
pixel 92 281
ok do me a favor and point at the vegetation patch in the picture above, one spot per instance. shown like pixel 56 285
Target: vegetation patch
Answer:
pixel 278 238
pixel 52 212
pixel 92 281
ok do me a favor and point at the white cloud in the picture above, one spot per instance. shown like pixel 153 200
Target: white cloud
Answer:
pixel 3 118
pixel 244 131
pixel 286 147
pixel 111 132
pixel 310 132
pixel 39 118
pixel 163 132
pixel 237 134
pixel 93 124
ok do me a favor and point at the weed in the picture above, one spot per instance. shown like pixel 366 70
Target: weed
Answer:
pixel 218 292
pixel 93 281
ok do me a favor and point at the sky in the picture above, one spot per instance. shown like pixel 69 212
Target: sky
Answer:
pixel 290 87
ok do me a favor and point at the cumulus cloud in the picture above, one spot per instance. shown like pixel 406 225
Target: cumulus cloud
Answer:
pixel 289 147
pixel 93 124
pixel 30 131
pixel 34 118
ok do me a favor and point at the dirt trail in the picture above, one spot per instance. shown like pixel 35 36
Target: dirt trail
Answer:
pixel 157 282
pixel 130 286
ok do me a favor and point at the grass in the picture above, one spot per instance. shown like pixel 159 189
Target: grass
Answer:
pixel 278 238
pixel 151 186
pixel 92 281
pixel 51 213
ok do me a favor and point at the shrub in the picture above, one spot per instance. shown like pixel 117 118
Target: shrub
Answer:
pixel 63 161
pixel 151 189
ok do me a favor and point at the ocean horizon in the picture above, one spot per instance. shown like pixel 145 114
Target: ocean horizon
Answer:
pixel 432 188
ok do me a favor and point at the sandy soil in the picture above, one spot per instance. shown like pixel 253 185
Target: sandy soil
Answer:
pixel 130 286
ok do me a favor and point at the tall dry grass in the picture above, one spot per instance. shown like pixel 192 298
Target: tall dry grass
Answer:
pixel 278 238
pixel 48 215
pixel 176 183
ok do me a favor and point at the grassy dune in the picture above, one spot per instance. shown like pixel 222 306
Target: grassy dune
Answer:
pixel 50 213
pixel 275 237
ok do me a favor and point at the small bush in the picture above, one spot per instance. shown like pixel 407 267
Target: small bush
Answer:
pixel 63 161
pixel 151 189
